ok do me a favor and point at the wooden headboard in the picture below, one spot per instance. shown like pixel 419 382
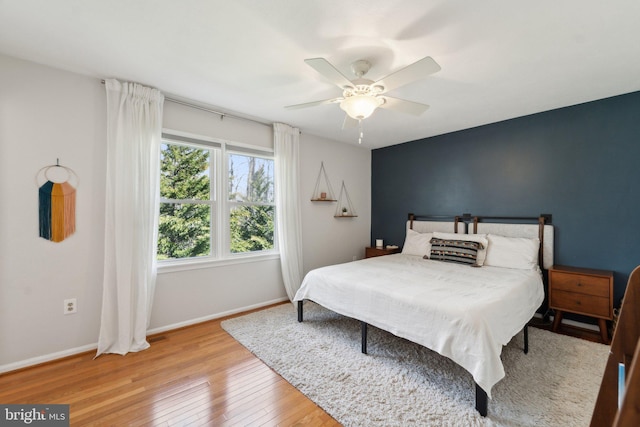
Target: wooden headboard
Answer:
pixel 530 227
pixel 430 223
pixel 510 226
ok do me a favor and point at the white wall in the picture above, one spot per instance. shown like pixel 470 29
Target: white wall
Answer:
pixel 329 240
pixel 47 114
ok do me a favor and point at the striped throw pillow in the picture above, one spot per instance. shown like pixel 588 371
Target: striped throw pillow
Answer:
pixel 459 251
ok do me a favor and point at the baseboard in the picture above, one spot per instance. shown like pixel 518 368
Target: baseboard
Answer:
pixel 213 316
pixel 21 364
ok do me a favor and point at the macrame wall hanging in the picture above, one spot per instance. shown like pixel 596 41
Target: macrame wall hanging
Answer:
pixel 57 201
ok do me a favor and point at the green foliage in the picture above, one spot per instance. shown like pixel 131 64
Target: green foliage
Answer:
pixel 184 173
pixel 184 228
pixel 251 228
pixel 261 186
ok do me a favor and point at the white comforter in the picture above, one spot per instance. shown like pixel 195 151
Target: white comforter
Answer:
pixel 464 313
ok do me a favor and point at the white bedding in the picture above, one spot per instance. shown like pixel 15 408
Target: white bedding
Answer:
pixel 464 313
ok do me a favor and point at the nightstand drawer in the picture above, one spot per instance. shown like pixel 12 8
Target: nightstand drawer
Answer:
pixel 581 304
pixel 583 291
pixel 588 285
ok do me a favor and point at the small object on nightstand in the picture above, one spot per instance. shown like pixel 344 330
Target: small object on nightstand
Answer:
pixel 582 291
pixel 373 252
pixel 379 243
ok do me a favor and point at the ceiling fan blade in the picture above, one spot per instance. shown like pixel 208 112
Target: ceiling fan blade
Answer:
pixel 349 122
pixel 404 106
pixel 325 68
pixel 408 74
pixel 313 104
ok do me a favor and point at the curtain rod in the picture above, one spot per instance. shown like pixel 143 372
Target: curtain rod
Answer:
pixel 210 110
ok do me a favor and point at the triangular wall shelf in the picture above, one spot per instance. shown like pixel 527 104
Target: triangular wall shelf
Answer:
pixel 323 191
pixel 345 207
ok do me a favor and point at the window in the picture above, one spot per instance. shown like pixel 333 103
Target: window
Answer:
pixel 216 200
pixel 186 201
pixel 251 203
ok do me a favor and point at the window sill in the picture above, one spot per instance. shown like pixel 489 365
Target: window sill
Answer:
pixel 196 264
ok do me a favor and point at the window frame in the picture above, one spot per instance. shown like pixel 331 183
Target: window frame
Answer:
pixel 220 205
pixel 230 204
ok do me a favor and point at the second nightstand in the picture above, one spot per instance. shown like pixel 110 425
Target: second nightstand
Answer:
pixel 370 252
pixel 581 291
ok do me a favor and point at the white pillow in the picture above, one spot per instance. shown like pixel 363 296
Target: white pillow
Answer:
pixel 417 243
pixel 481 238
pixel 512 252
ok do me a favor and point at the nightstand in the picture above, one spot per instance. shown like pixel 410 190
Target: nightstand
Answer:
pixel 581 291
pixel 370 252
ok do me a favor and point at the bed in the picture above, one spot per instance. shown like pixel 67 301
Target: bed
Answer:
pixel 448 305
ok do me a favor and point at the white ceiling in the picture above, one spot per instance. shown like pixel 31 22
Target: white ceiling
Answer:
pixel 500 59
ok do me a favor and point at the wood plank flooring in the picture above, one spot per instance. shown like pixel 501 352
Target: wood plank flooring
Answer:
pixel 195 376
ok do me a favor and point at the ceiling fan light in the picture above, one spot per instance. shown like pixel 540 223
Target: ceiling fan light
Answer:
pixel 360 106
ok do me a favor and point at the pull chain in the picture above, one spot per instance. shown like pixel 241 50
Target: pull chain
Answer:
pixel 361 132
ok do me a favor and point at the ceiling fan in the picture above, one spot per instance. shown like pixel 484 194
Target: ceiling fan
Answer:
pixel 361 96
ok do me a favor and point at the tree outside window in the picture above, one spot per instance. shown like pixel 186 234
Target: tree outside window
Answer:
pixel 185 207
pixel 189 206
pixel 251 200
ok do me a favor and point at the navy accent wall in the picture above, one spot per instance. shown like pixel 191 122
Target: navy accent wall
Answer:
pixel 581 164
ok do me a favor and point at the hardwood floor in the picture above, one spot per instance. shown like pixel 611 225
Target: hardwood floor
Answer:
pixel 194 376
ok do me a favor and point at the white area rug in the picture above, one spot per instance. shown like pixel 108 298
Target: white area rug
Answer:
pixel 400 383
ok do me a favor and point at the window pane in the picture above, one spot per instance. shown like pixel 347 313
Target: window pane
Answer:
pixel 184 230
pixel 251 228
pixel 184 172
pixel 250 179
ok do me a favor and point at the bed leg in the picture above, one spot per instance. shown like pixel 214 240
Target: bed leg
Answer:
pixel 481 401
pixel 300 311
pixel 526 339
pixel 364 337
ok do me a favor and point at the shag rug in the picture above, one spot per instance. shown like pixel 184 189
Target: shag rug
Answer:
pixel 400 383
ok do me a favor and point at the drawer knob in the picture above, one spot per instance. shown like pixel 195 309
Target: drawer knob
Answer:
pixel 578 302
pixel 579 284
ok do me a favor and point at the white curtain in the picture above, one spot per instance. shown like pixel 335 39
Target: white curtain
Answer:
pixel 289 223
pixel 134 130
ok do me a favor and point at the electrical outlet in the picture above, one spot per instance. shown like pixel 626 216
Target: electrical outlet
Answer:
pixel 70 306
